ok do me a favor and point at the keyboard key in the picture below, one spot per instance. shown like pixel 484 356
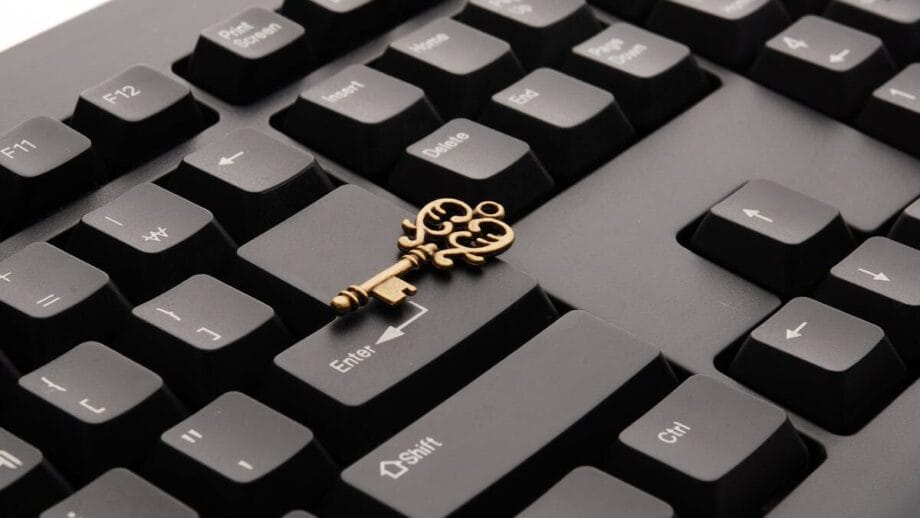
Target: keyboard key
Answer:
pixel 828 66
pixel 471 162
pixel 249 55
pixel 897 22
pixel 358 381
pixel 380 115
pixel 92 409
pixel 590 493
pixel 120 493
pixel 250 181
pixel 572 126
pixel 135 114
pixel 631 10
pixel 906 228
pixel 335 26
pixel 774 236
pixel 298 514
pixel 150 239
pixel 51 301
pixel 574 384
pixel 541 32
pixel 28 483
pixel 43 164
pixel 653 78
pixel 727 31
pixel 879 282
pixel 831 367
pixel 893 111
pixel 205 338
pixel 238 457
pixel 711 450
pixel 459 67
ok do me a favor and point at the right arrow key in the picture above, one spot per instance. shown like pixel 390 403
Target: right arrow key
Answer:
pixel 879 282
pixel 830 367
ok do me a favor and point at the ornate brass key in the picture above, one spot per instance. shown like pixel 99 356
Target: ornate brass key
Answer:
pixel 443 230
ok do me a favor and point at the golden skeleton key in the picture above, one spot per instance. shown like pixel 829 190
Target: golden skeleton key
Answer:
pixel 442 230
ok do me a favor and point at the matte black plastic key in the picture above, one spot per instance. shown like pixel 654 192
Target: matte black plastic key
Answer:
pixel 828 66
pixel 205 338
pixel 774 236
pixel 238 457
pixel 51 301
pixel 299 514
pixel 541 32
pixel 471 162
pixel 893 111
pixel 571 125
pixel 879 282
pixel 135 114
pixel 119 493
pixel 28 483
pixel 906 228
pixel 492 447
pixel 459 67
pixel 728 31
pixel 250 181
pixel 652 77
pixel 361 118
pixel 710 450
pixel 92 409
pixel 150 239
pixel 335 26
pixel 798 8
pixel 249 55
pixel 357 381
pixel 43 163
pixel 897 22
pixel 588 492
pixel 830 367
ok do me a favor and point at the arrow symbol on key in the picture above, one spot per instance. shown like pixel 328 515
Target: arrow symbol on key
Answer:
pixel 840 57
pixel 395 332
pixel 880 276
pixel 751 213
pixel 795 333
pixel 230 161
pixel 901 93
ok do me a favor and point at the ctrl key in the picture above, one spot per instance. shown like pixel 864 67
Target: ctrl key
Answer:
pixel 710 450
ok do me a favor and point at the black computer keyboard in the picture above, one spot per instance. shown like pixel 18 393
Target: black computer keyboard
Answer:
pixel 708 312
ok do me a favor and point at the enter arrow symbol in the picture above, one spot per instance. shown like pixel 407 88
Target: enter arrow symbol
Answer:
pixel 880 276
pixel 393 333
pixel 795 333
pixel 751 213
pixel 230 161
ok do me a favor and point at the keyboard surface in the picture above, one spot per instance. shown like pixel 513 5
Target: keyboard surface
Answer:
pixel 708 310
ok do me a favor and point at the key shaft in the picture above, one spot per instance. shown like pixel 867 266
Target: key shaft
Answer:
pixel 356 296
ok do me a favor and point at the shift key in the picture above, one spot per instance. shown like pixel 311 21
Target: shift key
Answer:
pixel 495 445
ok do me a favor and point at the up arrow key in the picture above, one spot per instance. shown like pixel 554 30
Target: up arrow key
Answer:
pixel 756 214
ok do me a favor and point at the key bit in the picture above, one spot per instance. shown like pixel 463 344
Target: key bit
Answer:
pixel 472 234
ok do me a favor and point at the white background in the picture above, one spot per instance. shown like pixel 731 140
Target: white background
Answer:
pixel 21 19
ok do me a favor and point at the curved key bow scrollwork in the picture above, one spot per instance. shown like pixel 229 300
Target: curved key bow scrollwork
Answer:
pixel 443 230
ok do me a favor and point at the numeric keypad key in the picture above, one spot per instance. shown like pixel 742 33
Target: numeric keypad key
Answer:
pixel 120 493
pixel 51 301
pixel 150 239
pixel 136 114
pixel 893 111
pixel 825 65
pixel 28 483
pixel 897 22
